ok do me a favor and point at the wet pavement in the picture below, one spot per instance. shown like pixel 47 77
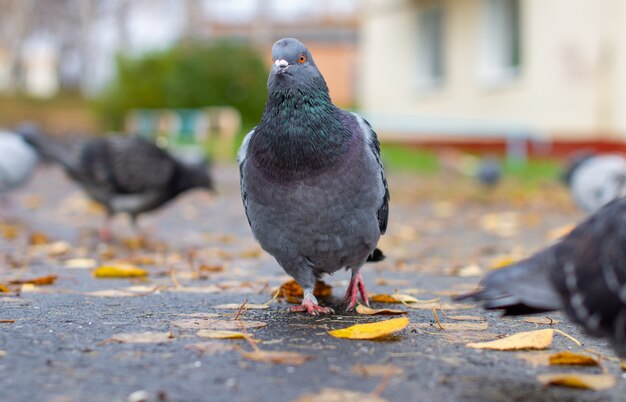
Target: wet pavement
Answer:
pixel 90 339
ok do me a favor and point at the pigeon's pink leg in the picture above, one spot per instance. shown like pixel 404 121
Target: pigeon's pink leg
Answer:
pixel 356 286
pixel 105 231
pixel 309 305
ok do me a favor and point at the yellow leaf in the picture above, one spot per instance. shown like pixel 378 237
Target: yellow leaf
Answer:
pixel 596 382
pixel 38 239
pixel 557 233
pixel 119 271
pixel 569 358
pixel 141 337
pixel 4 288
pixel 394 298
pixel 372 330
pixel 9 232
pixel 293 292
pixel 227 325
pixel 361 309
pixel 502 261
pixel 531 340
pixel 339 395
pixel 205 333
pixel 274 357
pixel 211 268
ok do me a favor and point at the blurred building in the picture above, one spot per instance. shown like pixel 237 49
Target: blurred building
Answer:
pixel 493 68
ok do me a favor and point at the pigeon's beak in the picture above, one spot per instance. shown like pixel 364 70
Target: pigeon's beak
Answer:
pixel 280 66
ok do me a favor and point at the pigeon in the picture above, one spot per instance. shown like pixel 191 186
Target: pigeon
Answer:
pixel 583 274
pixel 312 181
pixel 489 172
pixel 125 174
pixel 595 180
pixel 18 160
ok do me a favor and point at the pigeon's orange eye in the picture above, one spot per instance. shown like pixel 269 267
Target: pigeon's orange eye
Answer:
pixel 302 59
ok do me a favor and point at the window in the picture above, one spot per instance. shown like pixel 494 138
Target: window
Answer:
pixel 502 40
pixel 431 68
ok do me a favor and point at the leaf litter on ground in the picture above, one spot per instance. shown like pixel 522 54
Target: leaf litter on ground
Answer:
pixel 596 382
pixel 371 331
pixel 140 337
pixel 119 271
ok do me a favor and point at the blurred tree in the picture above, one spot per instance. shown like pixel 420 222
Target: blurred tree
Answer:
pixel 190 75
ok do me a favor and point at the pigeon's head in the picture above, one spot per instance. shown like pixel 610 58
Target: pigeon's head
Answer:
pixel 575 161
pixel 197 174
pixel 294 67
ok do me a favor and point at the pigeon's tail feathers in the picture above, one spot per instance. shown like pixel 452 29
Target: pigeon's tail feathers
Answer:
pixel 521 288
pixel 377 255
pixel 49 149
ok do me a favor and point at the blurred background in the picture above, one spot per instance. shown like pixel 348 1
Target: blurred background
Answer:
pixel 527 82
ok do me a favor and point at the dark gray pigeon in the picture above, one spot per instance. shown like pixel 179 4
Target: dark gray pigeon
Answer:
pixel 125 174
pixel 18 160
pixel 596 179
pixel 583 274
pixel 312 182
pixel 489 172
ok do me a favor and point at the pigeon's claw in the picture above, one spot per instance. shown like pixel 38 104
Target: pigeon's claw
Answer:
pixel 308 306
pixel 357 285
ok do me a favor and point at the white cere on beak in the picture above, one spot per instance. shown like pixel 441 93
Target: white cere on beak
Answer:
pixel 281 63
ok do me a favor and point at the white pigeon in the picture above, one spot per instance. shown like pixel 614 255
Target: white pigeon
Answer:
pixel 18 160
pixel 596 180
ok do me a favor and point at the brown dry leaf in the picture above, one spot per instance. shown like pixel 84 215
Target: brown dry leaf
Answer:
pixel 247 306
pixel 38 239
pixel 275 357
pixel 41 281
pixel 9 232
pixel 531 340
pixel 574 359
pixel 293 293
pixel 7 321
pixel 377 370
pixel 134 243
pixel 141 260
pixel 57 248
pixel 205 333
pixel 141 337
pixel 198 324
pixel 541 320
pixel 622 365
pixel 119 271
pixel 394 298
pixel 210 347
pixel 466 318
pixel 80 263
pixel 339 395
pixel 361 309
pixel 374 330
pixel 470 270
pixel 4 288
pixel 455 326
pixel 210 268
pixel 596 382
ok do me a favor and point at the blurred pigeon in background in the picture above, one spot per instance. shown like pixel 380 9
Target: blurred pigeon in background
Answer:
pixel 583 274
pixel 594 180
pixel 312 182
pixel 125 174
pixel 489 171
pixel 18 160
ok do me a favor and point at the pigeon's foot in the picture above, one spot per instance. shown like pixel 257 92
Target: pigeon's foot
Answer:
pixel 357 285
pixel 309 306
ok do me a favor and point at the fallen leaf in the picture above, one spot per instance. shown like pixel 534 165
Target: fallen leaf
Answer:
pixel 210 347
pixel 9 232
pixel 38 239
pixel 541 320
pixel 205 333
pixel 391 282
pixel 80 263
pixel 531 340
pixel 440 306
pixel 275 357
pixel 374 330
pixel 7 321
pixel 211 268
pixel 228 325
pixel 470 270
pixel 119 271
pixel 293 293
pixel 140 337
pixel 394 298
pixel 377 370
pixel 574 359
pixel 361 309
pixel 622 365
pixel 141 260
pixel 247 306
pixel 134 243
pixel 339 395
pixel 596 382
pixel 57 248
pixel 44 280
pixel 2 353
pixel 4 289
pixel 535 358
